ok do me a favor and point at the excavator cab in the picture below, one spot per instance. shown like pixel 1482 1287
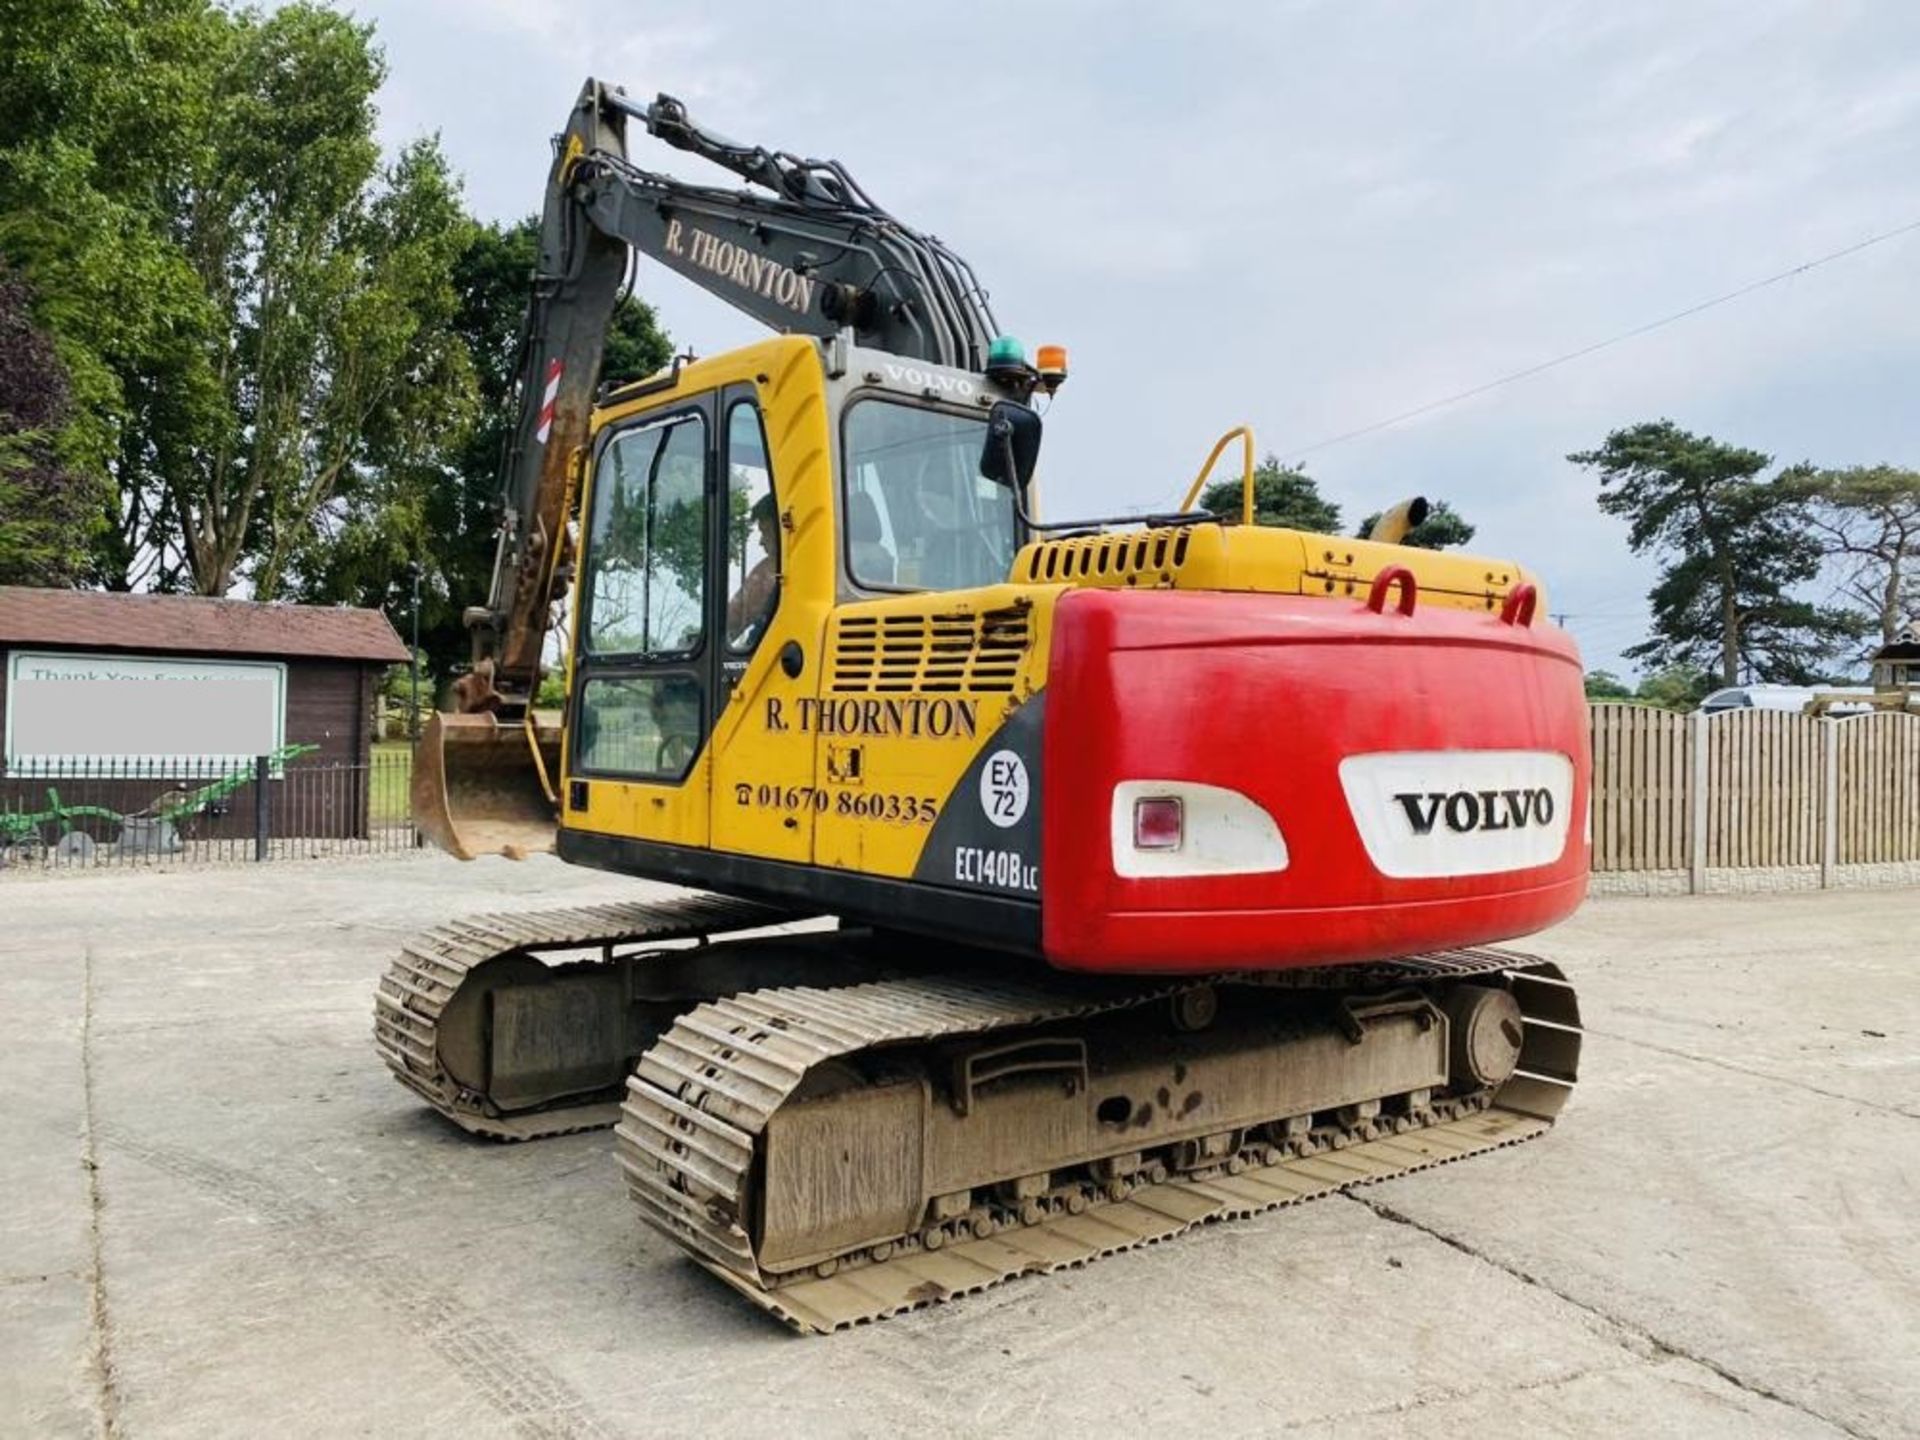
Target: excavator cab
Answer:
pixel 679 582
pixel 803 250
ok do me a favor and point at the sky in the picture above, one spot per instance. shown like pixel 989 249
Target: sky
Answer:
pixel 1309 217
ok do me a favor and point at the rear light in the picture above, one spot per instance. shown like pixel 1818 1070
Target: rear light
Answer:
pixel 1158 822
pixel 1164 829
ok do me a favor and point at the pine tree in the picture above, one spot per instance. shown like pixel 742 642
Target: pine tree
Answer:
pixel 1732 552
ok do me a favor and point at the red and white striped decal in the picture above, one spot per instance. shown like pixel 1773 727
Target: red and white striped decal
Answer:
pixel 546 401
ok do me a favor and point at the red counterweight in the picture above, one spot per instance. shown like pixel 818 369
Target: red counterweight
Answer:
pixel 1355 780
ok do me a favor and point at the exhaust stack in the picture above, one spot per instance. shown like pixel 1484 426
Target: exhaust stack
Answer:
pixel 1392 527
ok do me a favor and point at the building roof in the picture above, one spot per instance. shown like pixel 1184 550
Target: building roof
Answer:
pixel 1903 648
pixel 193 624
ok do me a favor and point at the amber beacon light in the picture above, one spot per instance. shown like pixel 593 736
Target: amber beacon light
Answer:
pixel 1051 362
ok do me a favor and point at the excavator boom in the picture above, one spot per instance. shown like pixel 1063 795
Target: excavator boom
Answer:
pixel 807 252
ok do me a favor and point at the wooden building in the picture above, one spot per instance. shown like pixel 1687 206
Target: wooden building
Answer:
pixel 172 689
pixel 1896 667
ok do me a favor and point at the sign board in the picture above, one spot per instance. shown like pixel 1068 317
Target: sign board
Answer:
pixel 68 712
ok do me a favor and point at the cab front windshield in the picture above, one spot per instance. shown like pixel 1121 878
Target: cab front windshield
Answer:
pixel 919 515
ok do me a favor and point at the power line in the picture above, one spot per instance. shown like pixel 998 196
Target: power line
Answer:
pixel 1610 627
pixel 1611 340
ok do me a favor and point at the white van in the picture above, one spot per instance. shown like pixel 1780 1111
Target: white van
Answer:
pixel 1784 697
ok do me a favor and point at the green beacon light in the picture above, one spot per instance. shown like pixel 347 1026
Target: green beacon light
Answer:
pixel 1007 367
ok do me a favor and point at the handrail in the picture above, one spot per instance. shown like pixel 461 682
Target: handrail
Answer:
pixel 532 731
pixel 1245 434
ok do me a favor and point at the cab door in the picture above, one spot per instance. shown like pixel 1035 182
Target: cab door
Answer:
pixel 765 800
pixel 647 664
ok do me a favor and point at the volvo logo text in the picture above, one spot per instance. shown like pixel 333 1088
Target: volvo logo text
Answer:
pixel 1464 810
pixel 1427 814
pixel 929 380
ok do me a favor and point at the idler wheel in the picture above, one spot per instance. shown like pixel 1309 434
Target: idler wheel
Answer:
pixel 1194 1010
pixel 1486 1034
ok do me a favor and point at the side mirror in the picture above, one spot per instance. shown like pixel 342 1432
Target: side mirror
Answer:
pixel 1012 447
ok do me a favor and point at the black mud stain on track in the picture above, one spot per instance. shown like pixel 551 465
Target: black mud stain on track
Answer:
pixel 513 1380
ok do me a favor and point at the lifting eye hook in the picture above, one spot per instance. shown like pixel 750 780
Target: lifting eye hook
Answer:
pixel 1386 580
pixel 1521 602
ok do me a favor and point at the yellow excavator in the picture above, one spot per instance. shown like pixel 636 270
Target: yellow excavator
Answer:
pixel 1151 868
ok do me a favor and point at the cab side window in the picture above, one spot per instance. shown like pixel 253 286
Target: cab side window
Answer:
pixel 647 551
pixel 641 704
pixel 753 530
pixel 645 726
pixel 918 514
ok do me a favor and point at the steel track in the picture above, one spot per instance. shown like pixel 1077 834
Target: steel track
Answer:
pixel 431 966
pixel 700 1099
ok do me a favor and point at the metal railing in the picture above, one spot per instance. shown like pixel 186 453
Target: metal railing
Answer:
pixel 85 812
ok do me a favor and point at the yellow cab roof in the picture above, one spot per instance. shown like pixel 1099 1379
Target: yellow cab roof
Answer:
pixel 709 372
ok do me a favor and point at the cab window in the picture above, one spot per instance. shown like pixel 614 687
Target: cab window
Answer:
pixel 753 530
pixel 641 705
pixel 644 726
pixel 646 550
pixel 917 514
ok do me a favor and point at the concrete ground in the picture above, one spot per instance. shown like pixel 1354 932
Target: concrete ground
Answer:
pixel 223 1218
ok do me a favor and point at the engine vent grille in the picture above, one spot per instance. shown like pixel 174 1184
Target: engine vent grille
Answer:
pixel 940 652
pixel 1144 557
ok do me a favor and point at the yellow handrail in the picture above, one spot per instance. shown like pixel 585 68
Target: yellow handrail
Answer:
pixel 539 760
pixel 550 572
pixel 1245 434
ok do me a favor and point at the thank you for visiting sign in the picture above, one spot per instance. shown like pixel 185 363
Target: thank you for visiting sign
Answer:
pixel 66 711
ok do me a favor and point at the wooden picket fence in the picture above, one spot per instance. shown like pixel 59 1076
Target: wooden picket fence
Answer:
pixel 1753 790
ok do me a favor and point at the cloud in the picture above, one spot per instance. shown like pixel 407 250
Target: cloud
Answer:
pixel 1311 216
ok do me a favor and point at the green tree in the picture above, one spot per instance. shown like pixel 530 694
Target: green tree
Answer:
pixel 1442 527
pixel 1605 685
pixel 1867 521
pixel 48 509
pixel 289 365
pixel 332 282
pixel 356 505
pixel 255 314
pixel 1282 496
pixel 396 693
pixel 104 108
pixel 1676 687
pixel 1731 551
pixel 444 512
